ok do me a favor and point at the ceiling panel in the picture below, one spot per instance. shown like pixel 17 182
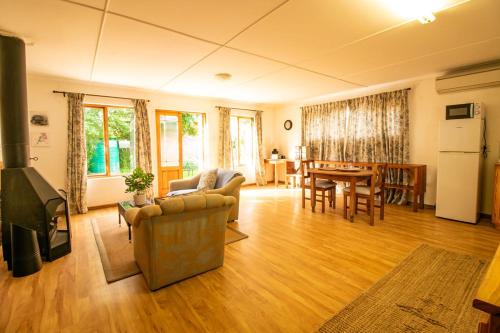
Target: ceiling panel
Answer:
pixel 93 3
pixel 216 20
pixel 64 35
pixel 302 29
pixel 289 84
pixel 140 55
pixel 436 63
pixel 201 80
pixel 451 29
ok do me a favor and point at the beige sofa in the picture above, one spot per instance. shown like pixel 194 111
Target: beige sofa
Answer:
pixel 179 238
pixel 226 184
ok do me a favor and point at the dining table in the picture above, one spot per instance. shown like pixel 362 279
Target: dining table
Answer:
pixel 348 175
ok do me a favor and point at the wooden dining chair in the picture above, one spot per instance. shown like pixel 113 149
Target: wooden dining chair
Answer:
pixel 366 191
pixel 323 186
pixel 293 173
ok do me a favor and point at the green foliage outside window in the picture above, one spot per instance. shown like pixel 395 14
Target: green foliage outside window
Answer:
pixel 120 134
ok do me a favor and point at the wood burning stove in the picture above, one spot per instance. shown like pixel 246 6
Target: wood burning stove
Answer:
pixel 28 200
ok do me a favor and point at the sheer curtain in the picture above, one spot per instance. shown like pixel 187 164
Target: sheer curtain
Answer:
pixel 225 138
pixel 76 167
pixel 260 171
pixel 142 139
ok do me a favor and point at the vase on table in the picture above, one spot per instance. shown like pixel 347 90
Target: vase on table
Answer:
pixel 140 198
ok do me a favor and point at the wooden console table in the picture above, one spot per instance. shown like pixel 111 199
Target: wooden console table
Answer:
pixel 277 162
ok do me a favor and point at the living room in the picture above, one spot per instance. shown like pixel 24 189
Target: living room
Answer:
pixel 262 110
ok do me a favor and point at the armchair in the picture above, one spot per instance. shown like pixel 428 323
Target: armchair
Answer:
pixel 179 238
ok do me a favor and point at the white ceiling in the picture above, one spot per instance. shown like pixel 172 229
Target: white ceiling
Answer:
pixel 276 50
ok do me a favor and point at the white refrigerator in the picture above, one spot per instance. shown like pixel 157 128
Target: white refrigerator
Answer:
pixel 459 166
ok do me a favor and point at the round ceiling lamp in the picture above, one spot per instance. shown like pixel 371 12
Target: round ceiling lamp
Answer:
pixel 223 76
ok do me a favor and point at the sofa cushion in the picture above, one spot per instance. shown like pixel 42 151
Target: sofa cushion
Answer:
pixel 176 205
pixel 224 176
pixel 179 193
pixel 207 180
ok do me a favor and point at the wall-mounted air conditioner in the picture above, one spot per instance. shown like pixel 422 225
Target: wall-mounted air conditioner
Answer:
pixel 481 76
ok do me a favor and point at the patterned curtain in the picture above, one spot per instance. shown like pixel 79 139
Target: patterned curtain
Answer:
pixel 142 139
pixel 367 129
pixel 76 168
pixel 225 138
pixel 260 171
pixel 378 131
pixel 324 130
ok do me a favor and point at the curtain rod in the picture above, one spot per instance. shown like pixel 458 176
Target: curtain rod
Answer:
pixel 218 106
pixel 67 92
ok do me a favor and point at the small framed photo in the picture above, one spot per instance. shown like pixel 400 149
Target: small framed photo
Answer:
pixel 39 119
pixel 40 139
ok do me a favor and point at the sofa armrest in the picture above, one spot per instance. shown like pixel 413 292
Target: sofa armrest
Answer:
pixel 135 215
pixel 230 187
pixel 183 184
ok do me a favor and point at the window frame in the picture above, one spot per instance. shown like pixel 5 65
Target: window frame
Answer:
pixel 105 124
pixel 238 153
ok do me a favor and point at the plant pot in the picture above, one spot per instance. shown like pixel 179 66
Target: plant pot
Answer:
pixel 140 198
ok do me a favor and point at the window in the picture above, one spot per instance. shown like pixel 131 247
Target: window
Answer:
pixel 109 135
pixel 193 143
pixel 242 141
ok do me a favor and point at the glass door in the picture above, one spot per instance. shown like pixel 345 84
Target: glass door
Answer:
pixel 169 145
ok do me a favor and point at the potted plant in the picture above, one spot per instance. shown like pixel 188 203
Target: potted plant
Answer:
pixel 138 182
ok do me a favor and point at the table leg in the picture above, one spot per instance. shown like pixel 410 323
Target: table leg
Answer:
pixel 422 181
pixel 415 190
pixel 372 201
pixel 275 174
pixel 352 202
pixel 313 191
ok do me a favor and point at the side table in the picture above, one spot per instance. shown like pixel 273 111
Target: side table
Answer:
pixel 122 208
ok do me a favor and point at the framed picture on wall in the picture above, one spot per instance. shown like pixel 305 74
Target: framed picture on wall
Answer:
pixel 39 119
pixel 40 139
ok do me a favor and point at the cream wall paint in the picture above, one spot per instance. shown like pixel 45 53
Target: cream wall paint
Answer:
pixel 107 190
pixel 426 107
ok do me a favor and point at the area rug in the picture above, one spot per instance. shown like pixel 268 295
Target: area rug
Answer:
pixel 117 253
pixel 430 291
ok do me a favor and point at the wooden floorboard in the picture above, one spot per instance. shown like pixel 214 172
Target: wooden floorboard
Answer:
pixel 295 271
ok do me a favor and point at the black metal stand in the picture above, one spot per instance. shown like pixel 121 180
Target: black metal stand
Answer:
pixel 26 258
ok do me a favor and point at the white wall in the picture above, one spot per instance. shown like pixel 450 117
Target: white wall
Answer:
pixel 107 190
pixel 426 106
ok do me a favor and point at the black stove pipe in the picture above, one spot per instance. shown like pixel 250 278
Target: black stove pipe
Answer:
pixel 13 103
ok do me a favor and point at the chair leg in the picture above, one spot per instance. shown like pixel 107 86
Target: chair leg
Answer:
pixel 345 205
pixel 368 206
pixel 323 201
pixel 382 204
pixel 303 197
pixel 334 197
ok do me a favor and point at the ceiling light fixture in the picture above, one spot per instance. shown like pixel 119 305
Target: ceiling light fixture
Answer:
pixel 223 76
pixel 427 18
pixel 421 10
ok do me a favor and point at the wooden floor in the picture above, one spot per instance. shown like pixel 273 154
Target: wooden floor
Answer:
pixel 295 271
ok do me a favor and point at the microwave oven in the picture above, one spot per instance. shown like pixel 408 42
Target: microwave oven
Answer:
pixel 462 111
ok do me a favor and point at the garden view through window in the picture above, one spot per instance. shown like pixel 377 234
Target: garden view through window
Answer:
pixel 242 141
pixel 192 143
pixel 109 135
